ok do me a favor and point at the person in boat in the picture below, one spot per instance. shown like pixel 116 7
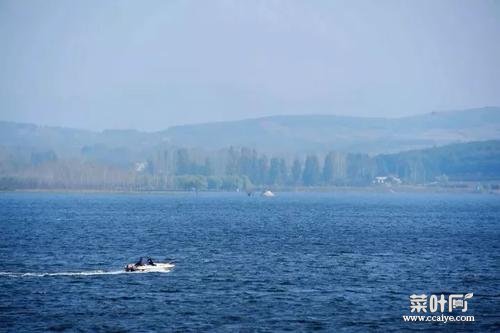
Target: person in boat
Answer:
pixel 141 262
pixel 145 261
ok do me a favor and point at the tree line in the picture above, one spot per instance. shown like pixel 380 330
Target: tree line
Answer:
pixel 246 169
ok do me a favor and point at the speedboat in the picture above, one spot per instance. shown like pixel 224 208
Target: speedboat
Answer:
pixel 157 267
pixel 147 265
pixel 268 194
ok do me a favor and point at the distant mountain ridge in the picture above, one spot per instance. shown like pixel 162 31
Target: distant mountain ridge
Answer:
pixel 300 133
pixel 344 133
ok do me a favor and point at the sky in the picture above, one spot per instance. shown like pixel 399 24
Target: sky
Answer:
pixel 149 65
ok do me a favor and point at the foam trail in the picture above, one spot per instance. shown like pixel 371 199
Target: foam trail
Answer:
pixel 85 273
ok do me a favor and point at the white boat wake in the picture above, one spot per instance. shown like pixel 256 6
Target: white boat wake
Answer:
pixel 85 273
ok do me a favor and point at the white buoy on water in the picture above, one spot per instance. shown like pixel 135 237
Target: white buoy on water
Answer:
pixel 267 194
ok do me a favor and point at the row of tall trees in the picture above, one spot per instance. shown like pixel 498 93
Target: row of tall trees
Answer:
pixel 468 161
pixel 245 168
pixel 261 169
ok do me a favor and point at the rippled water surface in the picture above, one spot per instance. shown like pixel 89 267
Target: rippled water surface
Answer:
pixel 296 262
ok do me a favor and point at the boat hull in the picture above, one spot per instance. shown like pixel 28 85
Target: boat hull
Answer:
pixel 159 267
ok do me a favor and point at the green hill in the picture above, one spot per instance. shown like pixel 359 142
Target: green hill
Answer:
pixel 318 133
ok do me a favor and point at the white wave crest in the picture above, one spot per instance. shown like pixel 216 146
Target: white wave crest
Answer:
pixel 85 273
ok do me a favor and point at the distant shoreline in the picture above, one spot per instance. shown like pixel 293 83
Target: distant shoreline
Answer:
pixel 256 192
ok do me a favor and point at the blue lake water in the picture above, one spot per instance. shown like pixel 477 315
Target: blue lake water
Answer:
pixel 295 262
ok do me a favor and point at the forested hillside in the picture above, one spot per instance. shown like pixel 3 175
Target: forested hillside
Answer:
pixel 280 134
pixel 247 169
pixel 284 151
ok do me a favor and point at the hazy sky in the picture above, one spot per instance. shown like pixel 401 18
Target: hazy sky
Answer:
pixel 153 64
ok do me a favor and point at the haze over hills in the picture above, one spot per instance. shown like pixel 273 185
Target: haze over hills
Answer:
pixel 349 134
pixel 285 151
pixel 290 134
